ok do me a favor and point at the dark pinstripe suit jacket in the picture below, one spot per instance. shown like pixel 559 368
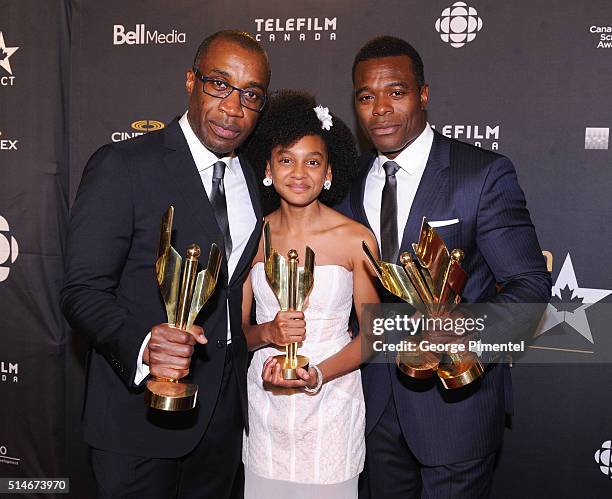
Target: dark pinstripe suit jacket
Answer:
pixel 481 189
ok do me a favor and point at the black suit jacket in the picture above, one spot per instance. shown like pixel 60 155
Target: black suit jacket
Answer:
pixel 110 295
pixel 481 189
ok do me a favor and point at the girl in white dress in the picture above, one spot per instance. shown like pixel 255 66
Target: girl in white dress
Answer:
pixel 306 436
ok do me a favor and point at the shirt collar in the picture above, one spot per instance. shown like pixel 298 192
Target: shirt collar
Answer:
pixel 203 157
pixel 413 157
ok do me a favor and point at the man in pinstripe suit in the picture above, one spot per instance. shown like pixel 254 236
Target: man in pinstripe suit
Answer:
pixel 423 441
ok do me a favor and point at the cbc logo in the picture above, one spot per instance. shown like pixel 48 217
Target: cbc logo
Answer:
pixel 604 459
pixel 9 249
pixel 458 24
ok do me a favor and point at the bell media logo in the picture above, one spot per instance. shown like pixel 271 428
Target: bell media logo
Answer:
pixel 481 135
pixel 5 458
pixel 458 24
pixel 9 249
pixel 596 138
pixel 5 63
pixel 8 144
pixel 295 29
pixel 143 36
pixel 9 372
pixel 139 127
pixel 603 457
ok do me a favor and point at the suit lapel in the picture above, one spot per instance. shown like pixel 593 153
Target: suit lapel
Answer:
pixel 182 169
pixel 183 172
pixel 432 190
pixel 358 190
pixel 250 248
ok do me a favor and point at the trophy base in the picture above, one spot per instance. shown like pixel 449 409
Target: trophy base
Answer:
pixel 289 371
pixel 172 396
pixel 463 369
pixel 418 365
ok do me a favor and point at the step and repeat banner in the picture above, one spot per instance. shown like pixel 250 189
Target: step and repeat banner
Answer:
pixel 529 79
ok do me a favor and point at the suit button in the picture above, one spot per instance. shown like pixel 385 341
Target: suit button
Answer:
pixel 221 343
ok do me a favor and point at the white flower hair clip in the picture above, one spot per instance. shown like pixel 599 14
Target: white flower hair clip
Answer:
pixel 324 117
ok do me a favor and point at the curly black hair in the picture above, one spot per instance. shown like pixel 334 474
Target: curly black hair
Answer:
pixel 289 115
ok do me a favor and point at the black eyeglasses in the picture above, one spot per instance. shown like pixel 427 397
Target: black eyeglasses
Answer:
pixel 251 98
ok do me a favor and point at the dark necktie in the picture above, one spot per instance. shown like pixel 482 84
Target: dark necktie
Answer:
pixel 388 214
pixel 217 200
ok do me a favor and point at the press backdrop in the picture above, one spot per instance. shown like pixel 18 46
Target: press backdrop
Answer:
pixel 531 79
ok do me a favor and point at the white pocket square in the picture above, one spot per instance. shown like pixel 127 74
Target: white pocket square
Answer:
pixel 442 223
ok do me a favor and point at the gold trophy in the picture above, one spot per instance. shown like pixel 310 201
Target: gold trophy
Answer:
pixel 291 286
pixel 433 286
pixel 402 282
pixel 184 297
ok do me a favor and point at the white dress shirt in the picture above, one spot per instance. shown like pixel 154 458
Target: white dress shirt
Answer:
pixel 412 161
pixel 240 214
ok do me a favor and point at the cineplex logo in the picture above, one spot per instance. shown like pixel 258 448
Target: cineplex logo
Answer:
pixel 603 457
pixel 296 29
pixel 480 135
pixel 603 35
pixel 5 458
pixel 5 63
pixel 9 372
pixel 139 127
pixel 9 249
pixel 7 144
pixel 143 36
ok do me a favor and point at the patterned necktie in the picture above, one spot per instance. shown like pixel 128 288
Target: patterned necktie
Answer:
pixel 218 202
pixel 388 214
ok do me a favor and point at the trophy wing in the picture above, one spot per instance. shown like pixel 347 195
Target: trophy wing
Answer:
pixel 205 284
pixel 433 256
pixel 168 269
pixel 276 269
pixel 417 279
pixel 454 281
pixel 267 242
pixel 277 275
pixel 305 279
pixel 395 280
pixel 168 266
pixel 165 232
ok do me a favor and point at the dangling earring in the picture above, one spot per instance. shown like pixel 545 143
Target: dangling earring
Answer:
pixel 267 181
pixel 327 185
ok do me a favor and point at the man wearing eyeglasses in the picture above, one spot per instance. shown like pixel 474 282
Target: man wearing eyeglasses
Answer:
pixel 110 297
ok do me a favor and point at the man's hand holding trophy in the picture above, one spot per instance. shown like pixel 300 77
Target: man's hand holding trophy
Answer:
pixel 184 291
pixel 432 284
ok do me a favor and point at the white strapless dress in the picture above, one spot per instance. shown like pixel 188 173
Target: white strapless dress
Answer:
pixel 296 437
